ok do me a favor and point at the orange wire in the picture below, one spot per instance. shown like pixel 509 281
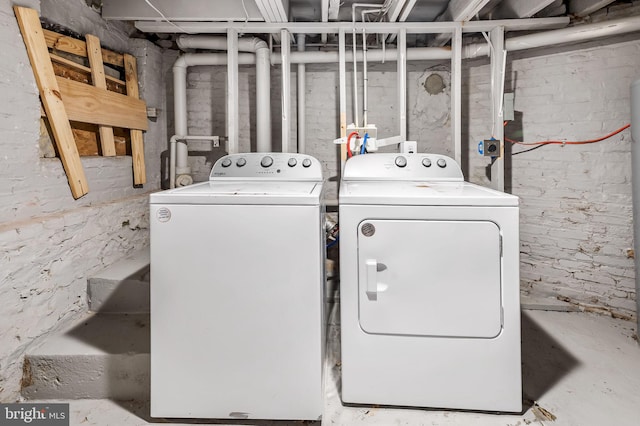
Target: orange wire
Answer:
pixel 349 153
pixel 555 142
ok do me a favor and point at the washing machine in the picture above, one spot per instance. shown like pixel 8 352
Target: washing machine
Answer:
pixel 429 286
pixel 237 282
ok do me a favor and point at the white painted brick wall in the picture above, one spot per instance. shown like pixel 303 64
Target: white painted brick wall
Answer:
pixel 576 212
pixel 49 242
pixel 576 223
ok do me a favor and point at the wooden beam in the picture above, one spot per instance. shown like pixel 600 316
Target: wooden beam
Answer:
pixel 94 53
pixel 64 61
pixel 29 23
pixel 137 143
pixel 86 136
pixel 78 47
pixel 89 104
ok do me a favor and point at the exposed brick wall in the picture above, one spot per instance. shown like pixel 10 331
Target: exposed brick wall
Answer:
pixel 49 242
pixel 576 223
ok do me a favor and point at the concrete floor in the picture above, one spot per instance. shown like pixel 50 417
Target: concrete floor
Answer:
pixel 578 369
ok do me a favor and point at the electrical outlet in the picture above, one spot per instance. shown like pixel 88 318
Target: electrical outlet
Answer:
pixel 491 148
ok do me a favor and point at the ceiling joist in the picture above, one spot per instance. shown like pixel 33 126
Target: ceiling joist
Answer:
pixel 459 11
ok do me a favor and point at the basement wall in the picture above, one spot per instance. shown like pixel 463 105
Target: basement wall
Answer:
pixel 576 219
pixel 50 243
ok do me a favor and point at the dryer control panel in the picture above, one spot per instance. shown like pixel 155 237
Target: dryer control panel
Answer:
pixel 267 165
pixel 388 166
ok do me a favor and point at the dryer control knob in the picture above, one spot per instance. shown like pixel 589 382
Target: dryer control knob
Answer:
pixel 292 162
pixel 401 161
pixel 426 162
pixel 241 162
pixel 442 163
pixel 266 161
pixel 226 162
pixel 306 163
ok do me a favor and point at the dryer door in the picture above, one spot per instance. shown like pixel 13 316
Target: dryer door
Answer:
pixel 430 278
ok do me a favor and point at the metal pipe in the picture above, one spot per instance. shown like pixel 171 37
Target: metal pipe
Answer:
pixel 233 111
pixel 402 83
pixel 285 46
pixel 301 99
pixel 635 173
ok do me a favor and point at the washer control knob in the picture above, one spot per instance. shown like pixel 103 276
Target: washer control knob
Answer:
pixel 241 162
pixel 226 162
pixel 292 162
pixel 426 162
pixel 442 163
pixel 266 161
pixel 401 161
pixel 306 163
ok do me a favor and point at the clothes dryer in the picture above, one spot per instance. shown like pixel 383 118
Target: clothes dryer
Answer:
pixel 429 286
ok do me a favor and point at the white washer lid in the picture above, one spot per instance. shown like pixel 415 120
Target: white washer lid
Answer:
pixel 422 193
pixel 259 192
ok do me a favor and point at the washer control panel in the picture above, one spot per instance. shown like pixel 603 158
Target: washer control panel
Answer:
pixel 387 166
pixel 270 165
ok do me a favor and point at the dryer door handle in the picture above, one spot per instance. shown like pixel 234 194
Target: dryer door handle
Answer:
pixel 372 279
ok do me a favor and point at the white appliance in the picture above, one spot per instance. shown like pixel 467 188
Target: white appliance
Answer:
pixel 429 283
pixel 237 282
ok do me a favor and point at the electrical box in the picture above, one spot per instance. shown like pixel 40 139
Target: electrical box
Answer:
pixel 508 112
pixel 491 148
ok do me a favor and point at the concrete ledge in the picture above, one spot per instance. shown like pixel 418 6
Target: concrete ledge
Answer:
pixel 545 303
pixel 122 287
pixel 102 356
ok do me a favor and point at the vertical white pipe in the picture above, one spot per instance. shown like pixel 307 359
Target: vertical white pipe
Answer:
pixel 180 118
pixel 402 82
pixel 263 100
pixel 635 185
pixel 497 80
pixel 285 46
pixel 342 74
pixel 355 76
pixel 233 119
pixel 301 99
pixel 365 78
pixel 456 94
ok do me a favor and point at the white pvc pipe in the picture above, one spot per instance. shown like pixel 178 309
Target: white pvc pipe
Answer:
pixel 263 77
pixel 402 83
pixel 285 46
pixel 175 139
pixel 573 34
pixel 301 99
pixel 180 119
pixel 233 109
pixel 263 100
pixel 342 66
